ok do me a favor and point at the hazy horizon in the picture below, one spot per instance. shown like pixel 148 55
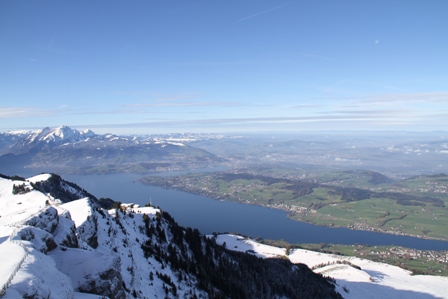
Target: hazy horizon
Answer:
pixel 130 130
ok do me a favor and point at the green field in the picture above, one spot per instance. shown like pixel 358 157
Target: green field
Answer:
pixel 416 206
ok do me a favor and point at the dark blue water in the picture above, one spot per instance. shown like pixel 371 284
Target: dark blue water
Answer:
pixel 210 215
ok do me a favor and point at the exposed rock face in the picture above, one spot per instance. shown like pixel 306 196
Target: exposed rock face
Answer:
pixel 65 233
pixel 88 230
pixel 47 220
pixel 64 191
pixel 91 272
pixel 37 238
pixel 107 283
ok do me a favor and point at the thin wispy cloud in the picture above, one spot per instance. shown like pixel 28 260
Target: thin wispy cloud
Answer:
pixel 176 97
pixel 315 56
pixel 149 107
pixel 180 96
pixel 219 63
pixel 333 87
pixel 132 93
pixel 315 118
pixel 53 47
pixel 262 13
pixel 21 112
pixel 346 87
pixel 386 87
pixel 393 113
pixel 158 96
pixel 305 106
pixel 51 43
pixel 187 104
pixel 180 100
pixel 428 97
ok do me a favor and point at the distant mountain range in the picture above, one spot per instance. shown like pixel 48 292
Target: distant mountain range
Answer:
pixel 67 150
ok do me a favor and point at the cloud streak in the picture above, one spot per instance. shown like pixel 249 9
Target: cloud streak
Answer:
pixel 306 106
pixel 349 117
pixel 262 13
pixel 315 56
pixel 20 112
pixel 186 104
pixel 429 97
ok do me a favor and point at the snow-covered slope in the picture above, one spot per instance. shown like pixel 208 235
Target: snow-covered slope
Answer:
pixel 372 280
pixel 72 248
pixel 30 272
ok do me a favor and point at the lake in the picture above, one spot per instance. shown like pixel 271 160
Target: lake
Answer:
pixel 208 215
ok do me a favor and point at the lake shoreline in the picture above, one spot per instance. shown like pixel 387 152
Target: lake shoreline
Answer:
pixel 288 211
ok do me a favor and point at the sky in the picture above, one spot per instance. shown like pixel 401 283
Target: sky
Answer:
pixel 143 67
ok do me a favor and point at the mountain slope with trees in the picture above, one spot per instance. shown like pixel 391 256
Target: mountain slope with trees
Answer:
pixel 127 251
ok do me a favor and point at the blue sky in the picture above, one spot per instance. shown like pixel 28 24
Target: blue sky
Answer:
pixel 221 66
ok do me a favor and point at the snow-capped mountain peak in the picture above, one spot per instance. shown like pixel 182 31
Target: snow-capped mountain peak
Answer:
pixel 87 133
pixel 60 133
pixel 64 134
pixel 48 137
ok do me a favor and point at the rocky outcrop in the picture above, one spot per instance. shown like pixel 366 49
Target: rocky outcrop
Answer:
pixel 58 188
pixel 47 220
pixel 65 233
pixel 91 272
pixel 36 238
pixel 107 283
pixel 88 230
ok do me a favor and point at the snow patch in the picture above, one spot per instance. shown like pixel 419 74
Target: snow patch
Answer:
pixel 39 178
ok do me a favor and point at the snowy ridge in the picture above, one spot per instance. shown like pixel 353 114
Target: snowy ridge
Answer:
pixel 9 263
pixel 77 249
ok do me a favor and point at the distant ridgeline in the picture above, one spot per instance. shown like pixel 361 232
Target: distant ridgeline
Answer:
pixel 66 150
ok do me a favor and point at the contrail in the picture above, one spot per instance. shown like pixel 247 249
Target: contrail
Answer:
pixel 263 12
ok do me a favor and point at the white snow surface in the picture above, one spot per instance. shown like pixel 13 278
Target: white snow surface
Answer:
pixel 39 276
pixel 15 209
pixel 374 280
pixel 11 255
pixel 79 210
pixel 39 178
pixel 176 143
